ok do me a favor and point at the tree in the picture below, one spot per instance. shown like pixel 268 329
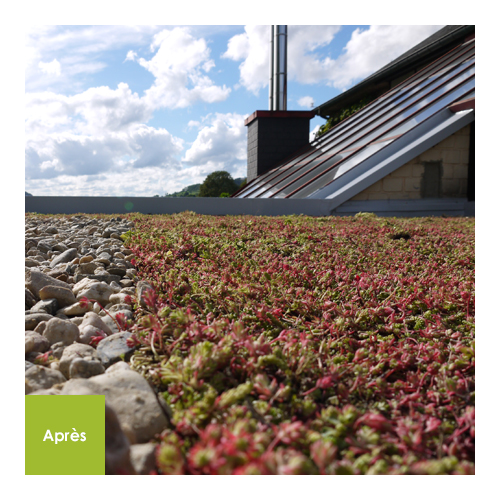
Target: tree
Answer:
pixel 217 183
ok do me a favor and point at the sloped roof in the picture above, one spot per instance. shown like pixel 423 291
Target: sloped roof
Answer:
pixel 418 113
pixel 418 56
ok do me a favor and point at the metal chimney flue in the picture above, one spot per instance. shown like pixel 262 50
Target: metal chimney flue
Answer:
pixel 271 68
pixel 276 134
pixel 278 68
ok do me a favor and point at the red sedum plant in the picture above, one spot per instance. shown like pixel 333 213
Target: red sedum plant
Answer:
pixel 299 345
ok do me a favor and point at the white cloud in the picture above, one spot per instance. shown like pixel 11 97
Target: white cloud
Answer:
pixel 253 48
pixel 78 49
pixel 371 49
pixel 95 141
pixel 221 144
pixel 105 109
pixel 96 111
pixel 131 55
pixel 75 155
pixel 367 51
pixel 306 102
pixel 179 67
pixel 98 130
pixel 51 68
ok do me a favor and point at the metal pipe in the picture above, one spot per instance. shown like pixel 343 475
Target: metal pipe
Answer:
pixel 280 67
pixel 271 69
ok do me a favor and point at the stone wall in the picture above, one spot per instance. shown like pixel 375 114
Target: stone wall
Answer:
pixel 440 172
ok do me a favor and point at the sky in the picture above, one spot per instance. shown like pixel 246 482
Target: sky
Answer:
pixel 146 110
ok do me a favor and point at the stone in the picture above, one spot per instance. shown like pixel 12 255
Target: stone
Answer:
pixel 32 320
pixel 106 278
pixel 30 262
pixel 29 299
pixel 32 356
pixel 47 306
pixel 114 348
pixel 117 270
pixel 59 273
pixel 72 352
pixel 54 366
pixel 28 365
pixel 131 273
pixel 103 260
pixel 60 330
pixel 82 283
pixel 96 291
pixel 34 342
pixel 103 255
pixel 85 368
pixel 120 365
pixel 119 298
pixel 89 331
pixel 40 328
pixel 30 243
pixel 46 392
pixel 76 309
pixel 130 396
pixel 86 268
pixel 60 247
pixel 111 321
pixel 91 318
pixel 58 349
pixel 143 457
pixel 117 446
pixel 44 246
pixel 66 256
pixel 115 285
pixel 143 288
pixel 35 280
pixel 64 296
pixel 38 377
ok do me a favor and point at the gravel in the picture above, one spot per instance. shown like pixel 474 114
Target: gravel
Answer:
pixel 72 258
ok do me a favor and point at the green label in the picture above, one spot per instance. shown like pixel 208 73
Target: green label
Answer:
pixel 64 434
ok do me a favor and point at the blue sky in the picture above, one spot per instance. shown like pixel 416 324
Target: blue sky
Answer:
pixel 145 110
